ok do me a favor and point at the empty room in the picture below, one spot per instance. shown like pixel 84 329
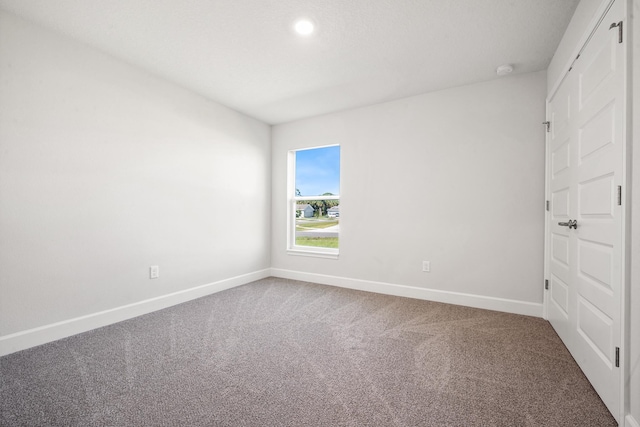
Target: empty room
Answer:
pixel 335 213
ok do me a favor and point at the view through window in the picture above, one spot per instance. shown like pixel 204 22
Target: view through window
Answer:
pixel 316 198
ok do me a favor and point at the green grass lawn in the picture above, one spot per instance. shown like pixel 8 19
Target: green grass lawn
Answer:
pixel 323 242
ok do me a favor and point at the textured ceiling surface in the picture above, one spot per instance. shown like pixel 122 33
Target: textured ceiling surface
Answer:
pixel 245 54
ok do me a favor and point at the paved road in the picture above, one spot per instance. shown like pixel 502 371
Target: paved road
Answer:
pixel 316 234
pixel 332 231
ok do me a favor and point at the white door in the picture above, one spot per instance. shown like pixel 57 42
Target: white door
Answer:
pixel 586 149
pixel 561 171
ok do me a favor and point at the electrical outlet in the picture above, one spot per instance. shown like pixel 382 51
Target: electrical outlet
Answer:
pixel 154 272
pixel 426 266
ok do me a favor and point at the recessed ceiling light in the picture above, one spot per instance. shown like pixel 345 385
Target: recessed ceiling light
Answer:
pixel 304 27
pixel 503 70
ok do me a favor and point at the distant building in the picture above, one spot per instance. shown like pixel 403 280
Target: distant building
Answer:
pixel 304 211
pixel 334 212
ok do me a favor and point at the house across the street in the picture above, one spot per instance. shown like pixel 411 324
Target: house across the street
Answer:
pixel 304 211
pixel 334 212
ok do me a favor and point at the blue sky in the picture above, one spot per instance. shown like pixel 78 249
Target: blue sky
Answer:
pixel 318 171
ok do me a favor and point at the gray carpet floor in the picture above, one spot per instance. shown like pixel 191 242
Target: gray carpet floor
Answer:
pixel 283 353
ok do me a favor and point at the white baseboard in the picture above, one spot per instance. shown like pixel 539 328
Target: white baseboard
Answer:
pixel 55 331
pixel 630 421
pixel 457 298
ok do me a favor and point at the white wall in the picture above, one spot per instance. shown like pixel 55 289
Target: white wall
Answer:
pixel 106 170
pixel 454 177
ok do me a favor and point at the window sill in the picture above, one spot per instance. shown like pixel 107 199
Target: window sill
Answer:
pixel 313 253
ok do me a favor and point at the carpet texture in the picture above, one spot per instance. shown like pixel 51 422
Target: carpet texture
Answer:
pixel 284 353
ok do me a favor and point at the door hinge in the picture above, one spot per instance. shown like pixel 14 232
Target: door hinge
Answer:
pixel 619 195
pixel 617 357
pixel 548 124
pixel 547 205
pixel 546 284
pixel 619 25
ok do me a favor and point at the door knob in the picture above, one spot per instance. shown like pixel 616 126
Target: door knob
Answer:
pixel 572 223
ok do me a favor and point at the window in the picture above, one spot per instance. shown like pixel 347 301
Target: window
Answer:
pixel 314 201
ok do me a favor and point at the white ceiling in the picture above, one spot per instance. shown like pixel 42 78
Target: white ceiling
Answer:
pixel 245 55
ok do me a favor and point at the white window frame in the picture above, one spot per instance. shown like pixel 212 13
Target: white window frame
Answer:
pixel 293 200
